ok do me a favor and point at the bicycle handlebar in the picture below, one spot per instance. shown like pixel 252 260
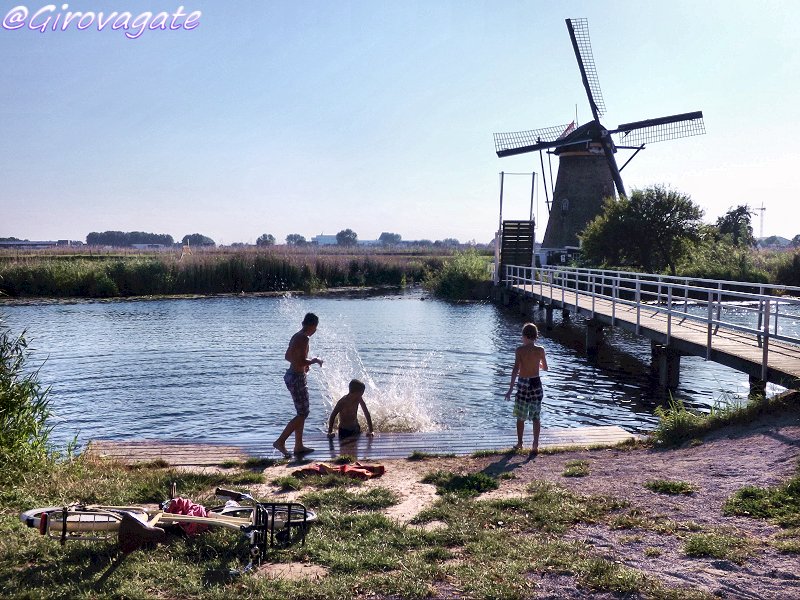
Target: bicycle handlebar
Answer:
pixel 233 495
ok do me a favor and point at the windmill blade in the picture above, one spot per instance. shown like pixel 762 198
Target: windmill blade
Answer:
pixel 661 129
pixel 520 142
pixel 582 45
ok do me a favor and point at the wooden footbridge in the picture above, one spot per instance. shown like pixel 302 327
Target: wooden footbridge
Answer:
pixel 753 328
pixel 380 447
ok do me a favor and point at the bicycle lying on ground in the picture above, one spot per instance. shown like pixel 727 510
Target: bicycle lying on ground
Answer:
pixel 265 524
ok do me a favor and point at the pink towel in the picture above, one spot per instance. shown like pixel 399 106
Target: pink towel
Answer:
pixel 184 506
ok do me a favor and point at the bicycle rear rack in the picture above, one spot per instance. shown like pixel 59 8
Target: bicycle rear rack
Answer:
pixel 277 524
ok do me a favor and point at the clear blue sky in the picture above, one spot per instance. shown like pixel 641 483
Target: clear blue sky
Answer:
pixel 310 117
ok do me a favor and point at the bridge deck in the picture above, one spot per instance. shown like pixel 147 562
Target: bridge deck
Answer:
pixel 382 446
pixel 729 347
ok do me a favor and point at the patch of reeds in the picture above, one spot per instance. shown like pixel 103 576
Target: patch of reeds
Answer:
pixel 24 408
pixel 205 273
pixel 464 276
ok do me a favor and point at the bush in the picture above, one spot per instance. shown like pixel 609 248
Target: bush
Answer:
pixel 465 276
pixel 23 408
pixel 788 269
pixel 714 259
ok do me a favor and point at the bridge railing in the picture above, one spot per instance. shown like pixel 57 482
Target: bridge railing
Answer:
pixel 759 311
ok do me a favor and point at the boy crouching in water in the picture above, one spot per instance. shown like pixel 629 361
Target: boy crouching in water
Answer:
pixel 347 410
pixel 529 358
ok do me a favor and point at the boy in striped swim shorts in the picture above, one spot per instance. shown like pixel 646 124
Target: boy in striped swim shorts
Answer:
pixel 528 360
pixel 295 380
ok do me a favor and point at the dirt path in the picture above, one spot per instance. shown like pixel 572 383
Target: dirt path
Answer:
pixel 762 454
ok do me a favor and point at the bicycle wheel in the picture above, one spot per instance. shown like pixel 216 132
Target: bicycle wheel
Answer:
pixel 80 523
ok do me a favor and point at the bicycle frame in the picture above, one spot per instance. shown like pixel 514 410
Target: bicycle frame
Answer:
pixel 268 524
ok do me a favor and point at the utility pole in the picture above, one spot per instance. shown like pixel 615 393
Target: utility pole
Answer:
pixel 761 226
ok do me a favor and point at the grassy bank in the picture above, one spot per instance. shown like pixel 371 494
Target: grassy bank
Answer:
pixel 92 275
pixel 678 425
pixel 483 548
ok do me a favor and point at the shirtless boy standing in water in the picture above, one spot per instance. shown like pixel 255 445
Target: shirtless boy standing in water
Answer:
pixel 529 358
pixel 295 379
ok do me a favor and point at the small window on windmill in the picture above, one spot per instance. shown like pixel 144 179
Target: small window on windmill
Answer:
pixel 565 205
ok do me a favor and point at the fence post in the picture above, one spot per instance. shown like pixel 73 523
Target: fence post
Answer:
pixel 765 350
pixel 614 290
pixel 638 302
pixel 669 313
pixel 710 321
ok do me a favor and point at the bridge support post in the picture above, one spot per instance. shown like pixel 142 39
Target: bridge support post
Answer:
pixel 594 336
pixel 565 315
pixel 666 365
pixel 548 317
pixel 758 387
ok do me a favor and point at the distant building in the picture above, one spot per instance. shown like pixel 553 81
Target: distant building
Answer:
pixel 38 245
pixel 148 246
pixel 324 240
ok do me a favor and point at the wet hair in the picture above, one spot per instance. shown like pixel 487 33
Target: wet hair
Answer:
pixel 310 319
pixel 357 386
pixel 529 331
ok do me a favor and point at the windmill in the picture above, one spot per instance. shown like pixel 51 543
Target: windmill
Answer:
pixel 587 170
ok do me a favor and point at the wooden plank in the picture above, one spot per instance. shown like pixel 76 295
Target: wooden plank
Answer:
pixel 382 446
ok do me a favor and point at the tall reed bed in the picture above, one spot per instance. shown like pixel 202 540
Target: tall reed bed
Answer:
pixel 205 272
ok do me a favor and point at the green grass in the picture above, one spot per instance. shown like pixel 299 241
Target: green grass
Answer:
pixel 470 485
pixel 780 504
pixel 787 542
pixel 674 488
pixel 419 455
pixel 576 468
pixel 677 424
pixel 726 546
pixel 640 519
pixel 486 549
pixel 288 483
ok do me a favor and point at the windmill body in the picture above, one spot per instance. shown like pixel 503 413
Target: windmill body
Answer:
pixel 587 170
pixel 583 182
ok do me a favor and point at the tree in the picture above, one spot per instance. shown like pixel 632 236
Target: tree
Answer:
pixel 266 239
pixel 122 238
pixel 652 229
pixel 388 239
pixel 295 239
pixel 347 237
pixel 735 224
pixel 198 239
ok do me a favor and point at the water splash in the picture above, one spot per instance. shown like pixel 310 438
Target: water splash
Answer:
pixel 399 402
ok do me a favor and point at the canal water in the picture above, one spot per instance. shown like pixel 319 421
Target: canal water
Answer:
pixel 212 368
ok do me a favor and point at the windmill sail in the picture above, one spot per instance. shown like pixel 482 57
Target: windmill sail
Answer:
pixel 582 45
pixel 519 142
pixel 640 133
